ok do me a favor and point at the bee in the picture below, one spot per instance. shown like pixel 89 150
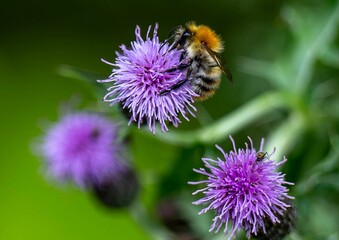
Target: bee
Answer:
pixel 201 48
pixel 261 156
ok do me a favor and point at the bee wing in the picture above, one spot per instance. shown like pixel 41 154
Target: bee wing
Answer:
pixel 217 60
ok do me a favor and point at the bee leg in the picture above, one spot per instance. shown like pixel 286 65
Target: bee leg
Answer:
pixel 180 67
pixel 173 87
pixel 183 56
pixel 181 82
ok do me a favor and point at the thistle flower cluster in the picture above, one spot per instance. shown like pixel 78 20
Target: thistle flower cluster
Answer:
pixel 242 191
pixel 81 148
pixel 140 74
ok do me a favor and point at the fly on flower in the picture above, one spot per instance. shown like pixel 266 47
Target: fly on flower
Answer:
pixel 245 193
pixel 261 156
pixel 140 73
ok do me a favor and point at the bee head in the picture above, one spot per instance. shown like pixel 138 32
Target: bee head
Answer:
pixel 184 37
pixel 195 35
pixel 201 34
pixel 180 35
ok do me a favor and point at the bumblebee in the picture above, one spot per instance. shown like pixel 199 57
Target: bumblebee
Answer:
pixel 261 156
pixel 201 48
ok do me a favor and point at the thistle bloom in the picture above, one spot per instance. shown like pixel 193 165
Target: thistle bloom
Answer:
pixel 140 74
pixel 243 191
pixel 82 148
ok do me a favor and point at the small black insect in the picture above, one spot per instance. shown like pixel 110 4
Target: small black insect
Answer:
pixel 261 156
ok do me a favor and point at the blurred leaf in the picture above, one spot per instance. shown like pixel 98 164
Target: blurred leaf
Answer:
pixel 317 174
pixel 274 72
pixel 331 180
pixel 331 109
pixel 200 223
pixel 284 137
pixel 203 115
pixel 312 37
pixel 88 77
pixel 154 229
pixel 317 217
pixel 294 236
pixel 324 220
pixel 295 68
pixel 266 70
pixel 331 57
pixel 175 180
pixel 323 91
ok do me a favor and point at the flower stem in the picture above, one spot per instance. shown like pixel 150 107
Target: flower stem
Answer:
pixel 139 213
pixel 285 136
pixel 229 124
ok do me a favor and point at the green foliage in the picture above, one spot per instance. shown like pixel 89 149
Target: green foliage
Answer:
pixel 286 66
pixel 308 106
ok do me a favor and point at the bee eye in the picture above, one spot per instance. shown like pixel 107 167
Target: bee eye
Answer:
pixel 186 34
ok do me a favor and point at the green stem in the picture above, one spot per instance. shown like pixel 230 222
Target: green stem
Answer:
pixel 294 236
pixel 229 124
pixel 139 213
pixel 318 171
pixel 284 137
pixel 259 68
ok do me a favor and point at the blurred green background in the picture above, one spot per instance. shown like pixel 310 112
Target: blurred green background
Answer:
pixel 287 48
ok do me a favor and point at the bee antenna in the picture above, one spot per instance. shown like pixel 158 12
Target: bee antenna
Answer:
pixel 170 36
pixel 165 42
pixel 171 33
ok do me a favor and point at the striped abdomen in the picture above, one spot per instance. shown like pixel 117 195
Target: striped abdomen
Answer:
pixel 205 82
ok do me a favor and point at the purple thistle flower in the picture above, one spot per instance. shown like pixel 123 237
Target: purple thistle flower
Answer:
pixel 141 73
pixel 82 148
pixel 243 191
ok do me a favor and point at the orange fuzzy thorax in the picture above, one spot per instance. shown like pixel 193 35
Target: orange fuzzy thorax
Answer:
pixel 204 34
